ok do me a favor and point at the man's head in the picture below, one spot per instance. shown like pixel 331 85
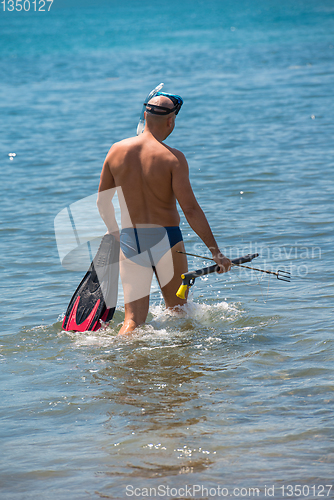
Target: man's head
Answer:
pixel 163 107
pixel 161 111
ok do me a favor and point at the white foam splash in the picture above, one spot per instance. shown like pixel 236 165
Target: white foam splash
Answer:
pixel 161 324
pixel 202 313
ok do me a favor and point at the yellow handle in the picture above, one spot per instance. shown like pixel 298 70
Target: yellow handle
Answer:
pixel 181 293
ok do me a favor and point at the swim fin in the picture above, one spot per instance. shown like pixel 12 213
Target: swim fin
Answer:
pixel 95 298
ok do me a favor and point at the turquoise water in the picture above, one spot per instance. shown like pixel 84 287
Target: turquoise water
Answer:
pixel 239 394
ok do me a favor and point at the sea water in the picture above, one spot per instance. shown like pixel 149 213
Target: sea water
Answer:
pixel 236 398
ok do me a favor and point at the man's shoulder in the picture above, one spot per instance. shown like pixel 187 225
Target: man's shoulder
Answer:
pixel 122 147
pixel 124 144
pixel 176 152
pixel 178 155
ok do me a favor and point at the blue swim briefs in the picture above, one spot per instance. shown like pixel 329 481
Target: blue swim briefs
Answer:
pixel 146 245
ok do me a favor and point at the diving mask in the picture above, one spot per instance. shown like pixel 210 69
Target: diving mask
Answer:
pixel 158 110
pixel 162 110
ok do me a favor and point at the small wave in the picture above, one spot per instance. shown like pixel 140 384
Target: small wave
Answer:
pixel 161 324
pixel 202 313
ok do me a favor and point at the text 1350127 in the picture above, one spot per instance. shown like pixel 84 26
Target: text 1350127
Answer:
pixel 26 5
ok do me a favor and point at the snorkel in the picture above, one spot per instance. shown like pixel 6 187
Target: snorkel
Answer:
pixel 141 124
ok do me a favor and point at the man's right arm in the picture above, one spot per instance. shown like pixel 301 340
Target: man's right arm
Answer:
pixel 106 192
pixel 194 214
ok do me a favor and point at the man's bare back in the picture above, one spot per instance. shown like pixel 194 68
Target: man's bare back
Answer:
pixel 144 168
pixel 152 177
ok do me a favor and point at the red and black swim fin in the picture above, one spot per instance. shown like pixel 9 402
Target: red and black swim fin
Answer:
pixel 96 297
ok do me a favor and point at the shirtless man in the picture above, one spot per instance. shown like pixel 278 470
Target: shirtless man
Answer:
pixel 152 176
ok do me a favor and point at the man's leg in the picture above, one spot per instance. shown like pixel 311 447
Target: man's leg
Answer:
pixel 136 281
pixel 180 266
pixel 135 315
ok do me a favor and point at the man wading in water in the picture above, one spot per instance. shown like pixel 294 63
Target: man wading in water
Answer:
pixel 149 177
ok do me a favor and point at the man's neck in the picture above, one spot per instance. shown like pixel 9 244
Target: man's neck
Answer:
pixel 158 134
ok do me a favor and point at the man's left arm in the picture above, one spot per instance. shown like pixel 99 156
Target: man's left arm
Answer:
pixel 194 214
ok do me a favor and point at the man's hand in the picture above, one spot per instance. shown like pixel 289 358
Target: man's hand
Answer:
pixel 223 262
